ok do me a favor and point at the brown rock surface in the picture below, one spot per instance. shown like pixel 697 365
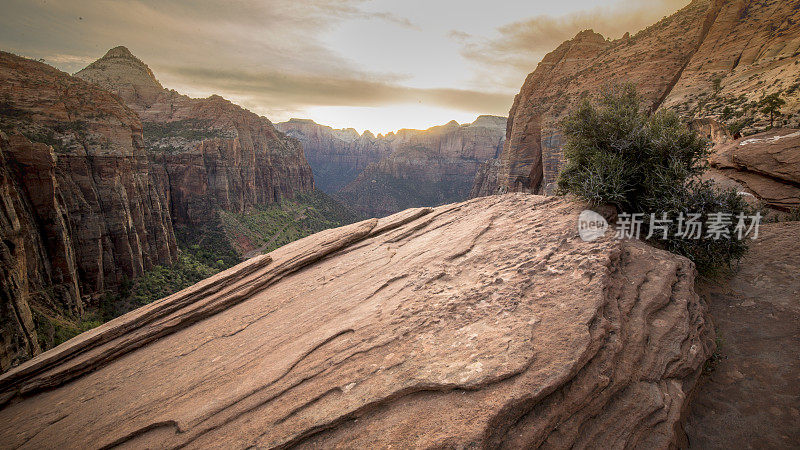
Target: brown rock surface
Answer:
pixel 766 165
pixel 19 249
pixel 751 47
pixel 88 209
pixel 485 323
pixel 209 152
pixel 752 397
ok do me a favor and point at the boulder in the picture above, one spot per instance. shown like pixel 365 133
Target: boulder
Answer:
pixel 487 323
pixel 766 165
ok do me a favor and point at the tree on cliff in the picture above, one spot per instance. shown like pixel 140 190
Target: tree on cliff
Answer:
pixel 771 104
pixel 619 154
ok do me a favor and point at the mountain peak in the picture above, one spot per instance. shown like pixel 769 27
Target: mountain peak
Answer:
pixel 122 73
pixel 119 51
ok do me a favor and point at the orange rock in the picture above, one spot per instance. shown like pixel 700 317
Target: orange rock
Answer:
pixel 210 153
pixel 751 48
pixel 487 323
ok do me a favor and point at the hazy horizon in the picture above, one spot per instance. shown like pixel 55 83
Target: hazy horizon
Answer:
pixel 368 65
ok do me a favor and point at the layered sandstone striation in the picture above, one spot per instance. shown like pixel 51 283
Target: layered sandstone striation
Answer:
pixel 766 165
pixel 425 167
pixel 210 153
pixel 83 210
pixel 709 56
pixel 488 323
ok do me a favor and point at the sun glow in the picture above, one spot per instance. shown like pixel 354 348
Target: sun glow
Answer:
pixel 384 119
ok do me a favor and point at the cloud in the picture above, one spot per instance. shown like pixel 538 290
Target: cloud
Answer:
pixel 287 56
pixel 519 46
pixel 295 91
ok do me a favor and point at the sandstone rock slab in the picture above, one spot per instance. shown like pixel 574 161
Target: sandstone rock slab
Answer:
pixel 484 323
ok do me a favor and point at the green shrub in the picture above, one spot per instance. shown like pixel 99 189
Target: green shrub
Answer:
pixel 619 154
pixel 709 255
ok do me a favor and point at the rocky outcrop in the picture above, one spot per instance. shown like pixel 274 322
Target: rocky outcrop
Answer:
pixel 751 396
pixel 488 323
pixel 766 165
pixel 710 55
pixel 426 167
pixel 18 250
pixel 751 49
pixel 83 209
pixel 336 156
pixel 209 153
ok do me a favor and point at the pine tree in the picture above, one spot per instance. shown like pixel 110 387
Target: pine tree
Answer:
pixel 771 104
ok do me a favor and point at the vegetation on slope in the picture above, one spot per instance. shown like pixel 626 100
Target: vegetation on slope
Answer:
pixel 203 252
pixel 619 154
pixel 375 193
pixel 268 227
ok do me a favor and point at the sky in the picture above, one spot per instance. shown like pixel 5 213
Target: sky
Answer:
pixel 367 64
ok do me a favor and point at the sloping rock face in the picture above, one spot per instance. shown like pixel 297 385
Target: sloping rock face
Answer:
pixel 752 48
pixel 752 397
pixel 749 47
pixel 83 209
pixel 488 323
pixel 17 331
pixel 336 156
pixel 426 167
pixel 766 165
pixel 210 153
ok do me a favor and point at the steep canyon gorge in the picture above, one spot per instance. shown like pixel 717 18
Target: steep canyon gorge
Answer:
pixel 380 175
pixel 93 183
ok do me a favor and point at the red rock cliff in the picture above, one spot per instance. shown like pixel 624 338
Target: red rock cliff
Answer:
pixel 82 208
pixel 210 153
pixel 747 48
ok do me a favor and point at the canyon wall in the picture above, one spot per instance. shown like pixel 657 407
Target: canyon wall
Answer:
pixel 209 153
pixel 336 156
pixel 709 56
pixel 380 175
pixel 425 167
pixel 82 209
pixel 93 184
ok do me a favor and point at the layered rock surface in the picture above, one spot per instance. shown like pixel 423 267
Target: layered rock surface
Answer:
pixel 766 165
pixel 84 210
pixel 748 48
pixel 426 167
pixel 485 323
pixel 210 153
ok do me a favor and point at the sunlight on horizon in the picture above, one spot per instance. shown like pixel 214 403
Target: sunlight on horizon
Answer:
pixel 383 119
